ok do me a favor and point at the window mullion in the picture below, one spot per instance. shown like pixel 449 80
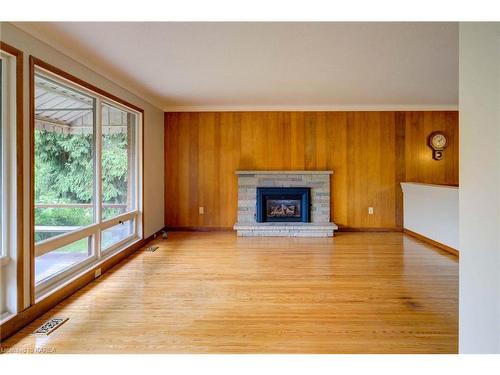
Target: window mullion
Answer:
pixel 138 229
pixel 98 175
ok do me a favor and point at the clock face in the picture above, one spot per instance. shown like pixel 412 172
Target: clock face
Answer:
pixel 438 141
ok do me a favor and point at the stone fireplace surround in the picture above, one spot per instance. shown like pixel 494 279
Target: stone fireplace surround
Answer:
pixel 318 181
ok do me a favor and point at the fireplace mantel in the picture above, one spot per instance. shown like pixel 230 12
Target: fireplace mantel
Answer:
pixel 282 172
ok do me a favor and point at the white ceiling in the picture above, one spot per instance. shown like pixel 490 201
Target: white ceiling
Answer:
pixel 257 66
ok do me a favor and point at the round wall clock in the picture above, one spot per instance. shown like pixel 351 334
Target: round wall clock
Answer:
pixel 438 142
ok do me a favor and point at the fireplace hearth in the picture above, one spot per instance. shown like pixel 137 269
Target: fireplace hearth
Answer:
pixel 283 204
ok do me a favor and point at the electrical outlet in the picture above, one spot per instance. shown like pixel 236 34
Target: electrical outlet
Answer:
pixel 97 273
pixel 201 210
pixel 370 210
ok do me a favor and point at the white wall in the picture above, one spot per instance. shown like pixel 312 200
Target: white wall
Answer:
pixel 479 201
pixel 153 125
pixel 431 211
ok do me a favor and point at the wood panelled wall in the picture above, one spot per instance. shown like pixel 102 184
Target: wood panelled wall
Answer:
pixel 369 152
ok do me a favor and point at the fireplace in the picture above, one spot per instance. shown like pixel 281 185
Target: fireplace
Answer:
pixel 283 204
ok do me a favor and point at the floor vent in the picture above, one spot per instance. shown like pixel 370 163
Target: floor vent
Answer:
pixel 48 327
pixel 152 248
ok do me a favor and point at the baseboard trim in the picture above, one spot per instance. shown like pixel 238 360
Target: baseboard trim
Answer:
pixel 200 229
pixel 429 241
pixel 231 229
pixel 368 229
pixel 28 315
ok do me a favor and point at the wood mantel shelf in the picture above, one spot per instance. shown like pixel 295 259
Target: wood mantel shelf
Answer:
pixel 283 172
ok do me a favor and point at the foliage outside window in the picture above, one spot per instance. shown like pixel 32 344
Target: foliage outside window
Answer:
pixel 64 169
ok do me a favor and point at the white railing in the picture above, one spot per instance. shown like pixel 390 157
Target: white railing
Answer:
pixel 68 228
pixel 69 233
pixel 79 205
pixel 67 237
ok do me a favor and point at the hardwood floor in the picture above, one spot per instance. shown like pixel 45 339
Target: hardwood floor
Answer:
pixel 216 293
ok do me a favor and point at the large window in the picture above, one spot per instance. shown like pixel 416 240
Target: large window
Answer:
pixel 3 85
pixel 6 96
pixel 3 247
pixel 9 249
pixel 87 178
pixel 64 159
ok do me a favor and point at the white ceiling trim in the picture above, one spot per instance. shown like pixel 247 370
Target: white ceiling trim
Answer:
pixel 326 108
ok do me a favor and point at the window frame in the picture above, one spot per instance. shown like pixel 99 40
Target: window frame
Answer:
pixel 15 181
pixel 49 285
pixel 6 109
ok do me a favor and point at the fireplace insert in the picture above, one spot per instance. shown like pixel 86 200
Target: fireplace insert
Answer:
pixel 283 204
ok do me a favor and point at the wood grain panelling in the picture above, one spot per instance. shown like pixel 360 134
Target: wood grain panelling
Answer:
pixel 420 167
pixel 371 169
pixel 400 176
pixel 369 152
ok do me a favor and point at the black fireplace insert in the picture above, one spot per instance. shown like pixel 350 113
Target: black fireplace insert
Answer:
pixel 283 204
